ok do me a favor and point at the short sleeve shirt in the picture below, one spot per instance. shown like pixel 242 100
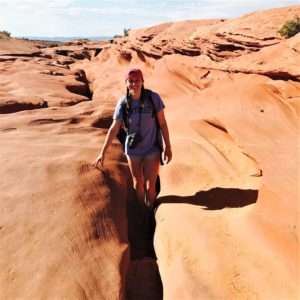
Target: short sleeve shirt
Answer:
pixel 148 126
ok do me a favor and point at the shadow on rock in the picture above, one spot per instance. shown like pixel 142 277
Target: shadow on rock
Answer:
pixel 216 198
pixel 143 278
pixel 141 227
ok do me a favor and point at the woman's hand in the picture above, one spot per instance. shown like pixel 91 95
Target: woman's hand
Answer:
pixel 111 134
pixel 99 159
pixel 168 155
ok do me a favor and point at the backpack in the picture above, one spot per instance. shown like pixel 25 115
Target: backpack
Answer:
pixel 122 134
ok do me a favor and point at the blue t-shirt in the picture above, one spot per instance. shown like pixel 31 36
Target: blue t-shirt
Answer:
pixel 148 127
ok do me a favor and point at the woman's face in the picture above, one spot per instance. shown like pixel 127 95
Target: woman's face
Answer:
pixel 134 84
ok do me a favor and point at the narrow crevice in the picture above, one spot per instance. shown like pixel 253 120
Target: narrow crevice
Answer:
pixel 15 106
pixel 63 52
pixel 248 36
pixel 46 121
pixel 274 75
pixel 214 124
pixel 259 171
pixel 97 51
pixel 187 52
pixel 83 54
pixel 147 54
pixel 80 75
pixel 31 54
pixel 82 90
pixel 280 75
pixel 8 130
pixel 296 50
pixel 228 47
pixel 120 216
pixel 7 58
pixel 103 122
pixel 143 278
pixel 141 56
pixel 146 38
pixel 253 46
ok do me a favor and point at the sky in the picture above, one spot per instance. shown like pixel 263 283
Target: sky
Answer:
pixel 61 18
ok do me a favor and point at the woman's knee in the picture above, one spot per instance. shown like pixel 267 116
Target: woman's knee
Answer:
pixel 138 183
pixel 151 169
pixel 149 185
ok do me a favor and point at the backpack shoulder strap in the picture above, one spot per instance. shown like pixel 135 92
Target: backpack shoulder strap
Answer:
pixel 149 94
pixel 159 137
pixel 125 105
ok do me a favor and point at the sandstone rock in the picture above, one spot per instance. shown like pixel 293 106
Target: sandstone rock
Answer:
pixel 226 226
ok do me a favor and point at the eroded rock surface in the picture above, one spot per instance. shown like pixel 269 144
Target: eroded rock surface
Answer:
pixel 227 223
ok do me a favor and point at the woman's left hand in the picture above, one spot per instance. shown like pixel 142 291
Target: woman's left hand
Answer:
pixel 168 155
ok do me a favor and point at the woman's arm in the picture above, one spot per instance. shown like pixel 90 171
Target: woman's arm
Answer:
pixel 165 132
pixel 111 134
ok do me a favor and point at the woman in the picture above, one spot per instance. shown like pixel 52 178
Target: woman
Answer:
pixel 141 147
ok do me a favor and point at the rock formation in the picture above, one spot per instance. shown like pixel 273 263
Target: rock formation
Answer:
pixel 227 223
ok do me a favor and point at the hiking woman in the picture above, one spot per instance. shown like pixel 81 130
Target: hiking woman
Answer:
pixel 144 114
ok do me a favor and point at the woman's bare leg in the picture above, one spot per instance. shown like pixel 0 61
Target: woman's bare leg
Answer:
pixel 136 169
pixel 151 168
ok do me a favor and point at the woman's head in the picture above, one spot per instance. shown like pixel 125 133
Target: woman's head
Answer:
pixel 134 82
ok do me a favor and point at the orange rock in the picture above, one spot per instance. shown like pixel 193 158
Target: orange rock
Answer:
pixel 226 227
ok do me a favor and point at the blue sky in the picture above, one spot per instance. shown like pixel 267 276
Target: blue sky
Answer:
pixel 110 17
